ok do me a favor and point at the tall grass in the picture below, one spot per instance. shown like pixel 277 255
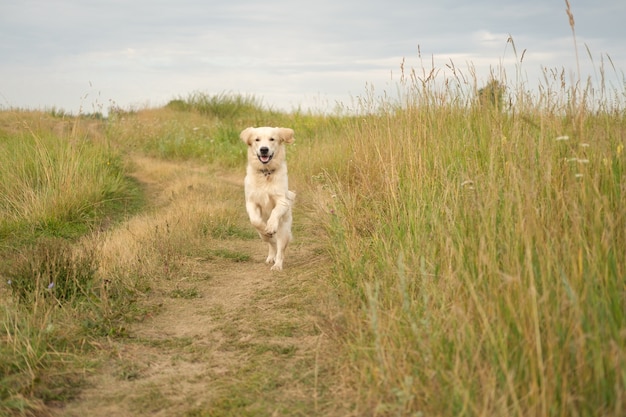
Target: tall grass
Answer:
pixel 67 279
pixel 57 182
pixel 223 106
pixel 50 181
pixel 200 126
pixel 477 244
pixel 206 127
pixel 480 252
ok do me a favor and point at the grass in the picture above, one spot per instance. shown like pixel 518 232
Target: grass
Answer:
pixel 197 127
pixel 478 253
pixel 57 182
pixel 476 248
pixel 230 255
pixel 38 170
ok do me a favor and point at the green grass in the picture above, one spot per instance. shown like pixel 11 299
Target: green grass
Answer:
pixel 229 255
pixel 50 269
pixel 55 186
pixel 200 126
pixel 478 254
pixel 206 128
pixel 225 228
pixel 224 107
pixel 477 250
pixel 185 293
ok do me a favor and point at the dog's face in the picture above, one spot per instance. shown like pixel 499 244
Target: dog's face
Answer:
pixel 265 144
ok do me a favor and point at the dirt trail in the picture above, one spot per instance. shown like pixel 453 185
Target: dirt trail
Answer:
pixel 222 334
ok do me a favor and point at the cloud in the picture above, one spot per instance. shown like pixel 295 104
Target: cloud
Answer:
pixel 279 50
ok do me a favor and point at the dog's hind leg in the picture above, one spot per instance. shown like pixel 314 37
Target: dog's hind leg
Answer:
pixel 271 253
pixel 281 245
pixel 278 261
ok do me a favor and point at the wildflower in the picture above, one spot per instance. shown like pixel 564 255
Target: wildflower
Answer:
pixel 559 138
pixel 579 175
pixel 469 184
pixel 584 145
pixel 9 282
pixel 620 148
pixel 51 285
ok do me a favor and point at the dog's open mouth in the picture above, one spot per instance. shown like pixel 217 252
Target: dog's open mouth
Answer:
pixel 265 158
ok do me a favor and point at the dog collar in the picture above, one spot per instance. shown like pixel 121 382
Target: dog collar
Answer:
pixel 267 172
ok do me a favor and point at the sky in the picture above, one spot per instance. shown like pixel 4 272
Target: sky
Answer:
pixel 89 55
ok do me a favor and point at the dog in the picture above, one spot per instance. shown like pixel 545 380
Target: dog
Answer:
pixel 268 199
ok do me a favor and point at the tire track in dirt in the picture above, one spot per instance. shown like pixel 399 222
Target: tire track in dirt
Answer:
pixel 228 337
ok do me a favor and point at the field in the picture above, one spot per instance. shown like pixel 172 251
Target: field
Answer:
pixel 459 251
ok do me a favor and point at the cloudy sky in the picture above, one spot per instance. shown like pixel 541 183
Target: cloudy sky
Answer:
pixel 93 54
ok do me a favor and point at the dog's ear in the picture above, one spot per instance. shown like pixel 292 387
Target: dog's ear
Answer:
pixel 286 134
pixel 247 135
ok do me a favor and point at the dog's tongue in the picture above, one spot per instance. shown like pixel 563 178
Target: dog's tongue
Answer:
pixel 265 158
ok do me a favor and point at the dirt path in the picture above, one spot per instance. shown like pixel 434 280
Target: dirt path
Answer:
pixel 221 334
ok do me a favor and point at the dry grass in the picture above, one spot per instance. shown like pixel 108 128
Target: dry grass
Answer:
pixel 452 257
pixel 478 253
pixel 42 159
pixel 230 338
pixel 174 311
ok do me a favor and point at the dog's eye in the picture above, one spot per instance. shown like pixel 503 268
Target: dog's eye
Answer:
pixel 271 139
pixel 258 140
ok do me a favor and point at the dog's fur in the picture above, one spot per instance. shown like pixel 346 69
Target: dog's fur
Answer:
pixel 268 199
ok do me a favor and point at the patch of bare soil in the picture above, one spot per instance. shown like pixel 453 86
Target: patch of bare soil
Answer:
pixel 228 336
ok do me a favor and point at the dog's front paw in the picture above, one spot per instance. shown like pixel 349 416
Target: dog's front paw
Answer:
pixel 259 225
pixel 271 229
pixel 277 267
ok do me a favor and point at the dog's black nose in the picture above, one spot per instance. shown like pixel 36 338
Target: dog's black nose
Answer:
pixel 264 150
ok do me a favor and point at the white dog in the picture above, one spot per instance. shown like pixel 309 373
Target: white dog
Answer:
pixel 268 199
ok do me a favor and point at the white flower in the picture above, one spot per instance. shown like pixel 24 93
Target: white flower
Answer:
pixel 469 184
